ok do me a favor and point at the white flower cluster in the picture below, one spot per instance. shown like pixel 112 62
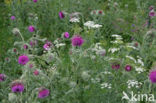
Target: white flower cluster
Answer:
pixel 139 61
pixel 139 69
pixel 133 83
pixel 91 24
pixel 113 50
pixel 96 80
pixel 57 44
pixel 106 72
pixel 118 39
pixel 106 85
pixel 74 19
pixel 99 50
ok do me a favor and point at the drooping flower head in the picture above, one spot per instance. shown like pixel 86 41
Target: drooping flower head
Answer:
pixel 77 40
pixel 31 28
pixel 61 15
pixel 25 46
pixel 33 43
pixel 35 1
pixel 66 35
pixel 152 13
pixel 13 18
pixel 152 76
pixel 23 59
pixel 17 87
pixel 43 93
pixel 128 68
pixel 36 72
pixel 115 66
pixel 2 77
pixel 47 45
pixel 151 7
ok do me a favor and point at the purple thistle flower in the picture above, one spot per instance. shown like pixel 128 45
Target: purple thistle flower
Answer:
pixel 13 18
pixel 36 72
pixel 66 35
pixel 33 43
pixel 31 65
pixel 115 66
pixel 152 13
pixel 128 68
pixel 31 28
pixel 35 1
pixel 77 40
pixel 152 76
pixel 23 59
pixel 2 77
pixel 61 15
pixel 151 7
pixel 43 93
pixel 17 87
pixel 47 45
pixel 25 46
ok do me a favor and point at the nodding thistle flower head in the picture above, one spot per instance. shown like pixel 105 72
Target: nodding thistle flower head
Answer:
pixel 128 68
pixel 115 66
pixel 66 35
pixel 31 28
pixel 23 59
pixel 17 87
pixel 77 40
pixel 152 76
pixel 12 18
pixel 43 93
pixel 35 1
pixel 47 45
pixel 16 31
pixel 2 77
pixel 152 13
pixel 61 15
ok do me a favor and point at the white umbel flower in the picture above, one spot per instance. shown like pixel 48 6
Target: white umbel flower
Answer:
pixel 133 83
pixel 91 24
pixel 112 50
pixel 75 20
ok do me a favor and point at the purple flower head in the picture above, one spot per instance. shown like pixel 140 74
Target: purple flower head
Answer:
pixel 2 77
pixel 31 65
pixel 152 13
pixel 36 72
pixel 13 18
pixel 77 40
pixel 17 87
pixel 43 93
pixel 66 35
pixel 151 7
pixel 14 50
pixel 61 15
pixel 152 76
pixel 33 43
pixel 23 59
pixel 25 46
pixel 47 45
pixel 128 68
pixel 31 28
pixel 115 66
pixel 35 1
